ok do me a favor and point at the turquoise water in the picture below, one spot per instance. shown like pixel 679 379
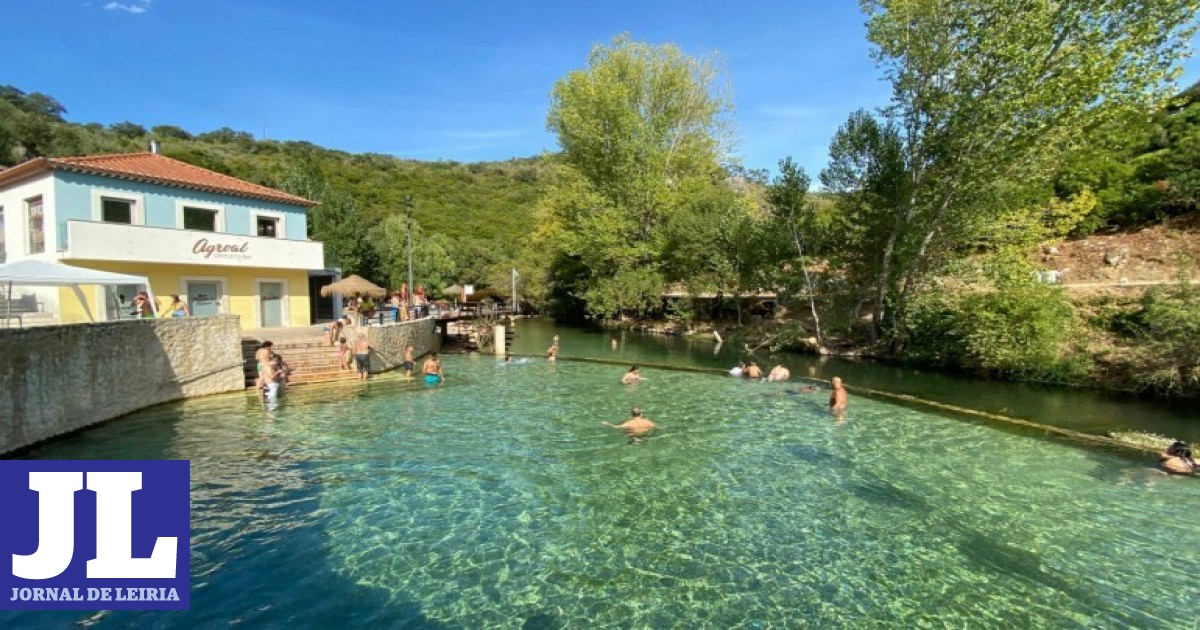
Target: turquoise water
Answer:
pixel 1087 411
pixel 499 500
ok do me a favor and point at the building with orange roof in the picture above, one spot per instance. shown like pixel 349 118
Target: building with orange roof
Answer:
pixel 222 244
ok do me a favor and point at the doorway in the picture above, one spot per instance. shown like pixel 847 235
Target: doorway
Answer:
pixel 204 297
pixel 271 303
pixel 118 301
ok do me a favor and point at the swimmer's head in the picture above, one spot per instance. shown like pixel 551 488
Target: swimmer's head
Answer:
pixel 837 381
pixel 636 412
pixel 1179 449
pixel 508 357
pixel 633 369
pixel 267 344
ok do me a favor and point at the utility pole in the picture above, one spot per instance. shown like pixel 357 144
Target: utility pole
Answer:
pixel 411 287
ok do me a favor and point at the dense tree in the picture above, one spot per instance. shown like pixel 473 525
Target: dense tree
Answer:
pixel 127 130
pixel 988 95
pixel 171 132
pixel 642 133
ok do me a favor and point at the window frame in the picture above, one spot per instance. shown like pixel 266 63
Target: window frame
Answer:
pixel 218 221
pixel 278 217
pixel 137 202
pixel 29 231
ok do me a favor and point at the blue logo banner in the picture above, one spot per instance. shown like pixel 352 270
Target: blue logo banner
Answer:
pixel 95 535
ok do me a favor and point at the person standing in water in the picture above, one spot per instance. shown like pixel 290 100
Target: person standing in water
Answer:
pixel 362 357
pixel 838 398
pixel 636 427
pixel 753 371
pixel 408 361
pixel 433 370
pixel 552 352
pixel 779 374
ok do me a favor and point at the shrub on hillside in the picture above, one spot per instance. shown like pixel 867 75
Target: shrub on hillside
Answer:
pixel 1168 327
pixel 1015 327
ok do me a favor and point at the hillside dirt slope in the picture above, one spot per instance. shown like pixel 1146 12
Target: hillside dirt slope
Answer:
pixel 1137 257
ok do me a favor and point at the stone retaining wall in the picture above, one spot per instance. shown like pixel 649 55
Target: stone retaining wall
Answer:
pixel 389 341
pixel 57 379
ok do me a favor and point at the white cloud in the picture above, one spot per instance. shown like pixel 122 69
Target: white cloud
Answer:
pixel 135 7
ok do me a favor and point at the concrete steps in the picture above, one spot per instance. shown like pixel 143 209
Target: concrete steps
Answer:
pixel 311 359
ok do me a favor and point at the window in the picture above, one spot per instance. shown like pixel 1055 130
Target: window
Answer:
pixel 37 233
pixel 116 211
pixel 3 248
pixel 268 226
pixel 199 219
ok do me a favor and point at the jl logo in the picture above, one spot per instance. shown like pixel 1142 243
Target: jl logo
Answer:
pixel 95 535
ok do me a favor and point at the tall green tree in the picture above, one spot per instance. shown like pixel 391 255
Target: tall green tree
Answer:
pixel 793 214
pixel 987 95
pixel 642 131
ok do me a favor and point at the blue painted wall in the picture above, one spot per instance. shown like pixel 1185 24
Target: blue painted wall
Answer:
pixel 73 200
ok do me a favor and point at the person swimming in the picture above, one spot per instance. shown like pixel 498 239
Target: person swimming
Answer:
pixel 637 427
pixel 807 389
pixel 1177 459
pixel 634 375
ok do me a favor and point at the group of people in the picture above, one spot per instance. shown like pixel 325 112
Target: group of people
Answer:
pixel 272 371
pixel 142 307
pixel 837 398
pixel 752 371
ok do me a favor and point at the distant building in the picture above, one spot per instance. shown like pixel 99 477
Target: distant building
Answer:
pixel 226 245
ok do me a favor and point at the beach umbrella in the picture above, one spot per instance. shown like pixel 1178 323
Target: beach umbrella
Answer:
pixel 454 290
pixel 354 286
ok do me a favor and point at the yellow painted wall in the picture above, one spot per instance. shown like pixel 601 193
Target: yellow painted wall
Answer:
pixel 165 281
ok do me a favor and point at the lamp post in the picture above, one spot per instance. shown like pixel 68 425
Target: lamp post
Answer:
pixel 514 291
pixel 411 288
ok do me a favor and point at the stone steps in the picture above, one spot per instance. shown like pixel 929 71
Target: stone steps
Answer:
pixel 311 359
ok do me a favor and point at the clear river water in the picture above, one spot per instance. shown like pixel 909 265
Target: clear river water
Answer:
pixel 498 499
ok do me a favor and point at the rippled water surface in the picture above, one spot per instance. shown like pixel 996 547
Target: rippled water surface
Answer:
pixel 499 500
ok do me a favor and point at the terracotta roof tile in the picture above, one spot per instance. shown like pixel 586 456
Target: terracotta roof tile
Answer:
pixel 156 169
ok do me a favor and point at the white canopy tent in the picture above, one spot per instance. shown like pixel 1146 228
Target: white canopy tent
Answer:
pixel 51 274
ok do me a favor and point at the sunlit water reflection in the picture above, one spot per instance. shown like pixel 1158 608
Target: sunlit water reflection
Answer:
pixel 499 500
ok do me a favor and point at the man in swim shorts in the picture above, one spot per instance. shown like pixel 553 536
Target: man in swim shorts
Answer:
pixel 362 357
pixel 433 370
pixel 636 427
pixel 408 361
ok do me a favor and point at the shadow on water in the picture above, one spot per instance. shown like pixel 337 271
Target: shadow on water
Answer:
pixel 815 456
pixel 541 621
pixel 884 494
pixel 1007 561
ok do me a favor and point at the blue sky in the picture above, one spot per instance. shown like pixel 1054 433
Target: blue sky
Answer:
pixel 447 80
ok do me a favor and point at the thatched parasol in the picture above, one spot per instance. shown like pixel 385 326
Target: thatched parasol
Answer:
pixel 454 290
pixel 354 286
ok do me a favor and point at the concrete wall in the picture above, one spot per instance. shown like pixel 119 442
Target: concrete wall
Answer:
pixel 56 379
pixel 389 341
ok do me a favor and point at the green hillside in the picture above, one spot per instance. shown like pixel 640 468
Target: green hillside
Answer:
pixel 472 219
